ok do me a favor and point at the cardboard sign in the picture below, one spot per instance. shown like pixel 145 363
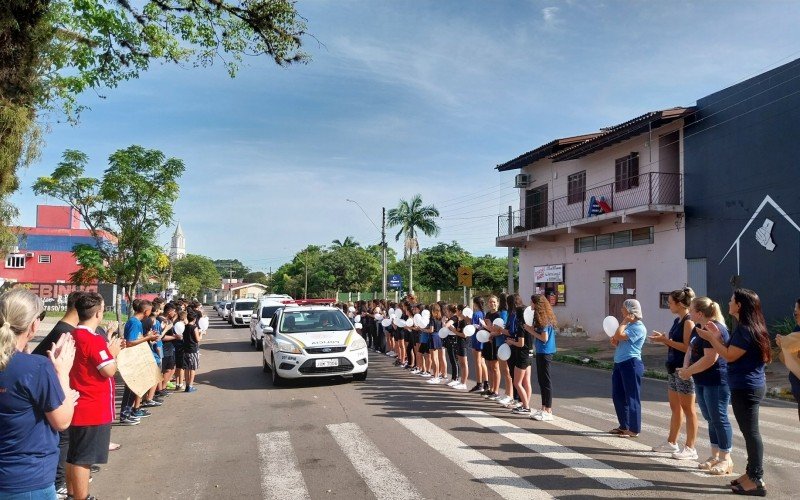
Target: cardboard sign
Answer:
pixel 138 368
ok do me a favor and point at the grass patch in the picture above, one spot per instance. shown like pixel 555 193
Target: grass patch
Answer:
pixel 107 316
pixel 604 365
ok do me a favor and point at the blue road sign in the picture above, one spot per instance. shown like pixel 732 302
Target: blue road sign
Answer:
pixel 395 281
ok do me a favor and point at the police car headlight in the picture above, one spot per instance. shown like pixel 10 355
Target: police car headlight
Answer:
pixel 357 344
pixel 288 347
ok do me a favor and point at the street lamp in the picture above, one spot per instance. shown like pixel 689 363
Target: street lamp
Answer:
pixel 382 229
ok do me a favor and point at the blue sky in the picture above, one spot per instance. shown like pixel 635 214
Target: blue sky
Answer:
pixel 410 97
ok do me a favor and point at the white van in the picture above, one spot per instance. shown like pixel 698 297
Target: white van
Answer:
pixel 265 309
pixel 241 309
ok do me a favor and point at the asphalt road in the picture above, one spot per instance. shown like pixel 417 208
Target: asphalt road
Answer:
pixel 396 437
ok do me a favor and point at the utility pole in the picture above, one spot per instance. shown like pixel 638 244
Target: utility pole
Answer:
pixel 305 261
pixel 510 254
pixel 230 282
pixel 383 247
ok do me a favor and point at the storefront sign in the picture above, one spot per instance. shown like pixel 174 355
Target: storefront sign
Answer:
pixel 54 295
pixel 548 274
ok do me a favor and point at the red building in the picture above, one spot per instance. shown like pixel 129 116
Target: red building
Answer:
pixel 44 254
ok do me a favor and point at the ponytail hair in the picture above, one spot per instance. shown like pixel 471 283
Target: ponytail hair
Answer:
pixel 708 308
pixel 18 309
pixel 683 296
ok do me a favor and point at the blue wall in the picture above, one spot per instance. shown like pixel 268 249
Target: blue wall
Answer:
pixel 42 243
pixel 742 145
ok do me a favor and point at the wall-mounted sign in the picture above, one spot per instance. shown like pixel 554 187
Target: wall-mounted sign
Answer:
pixel 548 274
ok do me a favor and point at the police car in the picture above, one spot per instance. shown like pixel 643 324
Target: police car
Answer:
pixel 313 341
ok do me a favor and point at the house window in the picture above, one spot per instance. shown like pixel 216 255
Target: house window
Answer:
pixel 626 172
pixel 15 261
pixel 44 259
pixel 619 239
pixel 576 188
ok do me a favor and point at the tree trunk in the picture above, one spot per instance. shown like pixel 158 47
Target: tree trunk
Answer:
pixel 411 273
pixel 120 296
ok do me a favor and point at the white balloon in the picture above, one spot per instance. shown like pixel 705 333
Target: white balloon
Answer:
pixel 391 311
pixel 203 323
pixel 527 315
pixel 386 323
pixel 482 336
pixel 610 325
pixel 417 319
pixel 499 322
pixel 425 322
pixel 352 309
pixel 444 332
pixel 179 327
pixel 357 319
pixel 504 352
pixel 399 321
pixel 426 313
pixel 358 326
pixel 467 312
pixel 378 317
pixel 469 330
pixel 410 322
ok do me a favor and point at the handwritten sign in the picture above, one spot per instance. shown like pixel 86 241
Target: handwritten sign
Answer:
pixel 548 274
pixel 138 368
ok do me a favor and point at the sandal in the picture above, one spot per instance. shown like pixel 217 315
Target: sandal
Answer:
pixel 709 463
pixel 738 479
pixel 722 468
pixel 629 434
pixel 616 431
pixel 758 491
pixel 114 446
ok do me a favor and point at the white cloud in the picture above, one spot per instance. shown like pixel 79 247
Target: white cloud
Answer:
pixel 549 15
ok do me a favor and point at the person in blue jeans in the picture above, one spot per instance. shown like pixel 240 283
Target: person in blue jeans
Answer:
pixel 626 378
pixel 747 352
pixel 710 374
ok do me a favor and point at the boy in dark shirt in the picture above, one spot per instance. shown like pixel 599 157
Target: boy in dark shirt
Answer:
pixel 191 343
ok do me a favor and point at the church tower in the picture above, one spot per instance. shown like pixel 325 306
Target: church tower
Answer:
pixel 178 248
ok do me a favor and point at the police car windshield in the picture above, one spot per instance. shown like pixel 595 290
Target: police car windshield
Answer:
pixel 314 321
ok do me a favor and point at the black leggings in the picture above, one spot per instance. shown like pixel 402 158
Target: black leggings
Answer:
pixel 545 382
pixel 128 399
pixel 451 358
pixel 746 403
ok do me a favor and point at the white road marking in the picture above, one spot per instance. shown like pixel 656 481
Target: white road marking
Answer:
pixel 504 482
pixel 382 477
pixel 658 431
pixel 280 476
pixel 587 466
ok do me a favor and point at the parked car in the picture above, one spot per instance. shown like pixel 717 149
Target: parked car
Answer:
pixel 263 312
pixel 240 312
pixel 313 341
pixel 226 310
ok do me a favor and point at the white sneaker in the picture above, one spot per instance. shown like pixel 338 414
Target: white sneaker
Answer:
pixel 452 383
pixel 667 447
pixel 543 416
pixel 426 375
pixel 415 371
pixel 434 380
pixel 685 454
pixel 505 400
pixel 460 387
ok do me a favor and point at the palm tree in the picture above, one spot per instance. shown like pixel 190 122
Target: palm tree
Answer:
pixel 413 218
pixel 348 242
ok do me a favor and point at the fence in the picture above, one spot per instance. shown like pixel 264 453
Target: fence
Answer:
pixel 423 297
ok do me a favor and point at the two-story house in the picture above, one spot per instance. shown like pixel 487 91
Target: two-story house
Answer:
pixel 601 220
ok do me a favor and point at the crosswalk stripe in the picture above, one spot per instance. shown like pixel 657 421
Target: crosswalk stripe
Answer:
pixel 582 464
pixel 280 475
pixel 382 477
pixel 660 431
pixel 504 482
pixel 703 425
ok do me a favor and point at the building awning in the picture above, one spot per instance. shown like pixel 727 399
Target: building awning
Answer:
pixel 544 151
pixel 622 132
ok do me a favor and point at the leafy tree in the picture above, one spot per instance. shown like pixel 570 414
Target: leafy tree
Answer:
pixel 439 265
pixel 53 50
pixel 349 242
pixel 132 201
pixel 413 218
pixel 225 266
pixel 352 269
pixel 256 277
pixel 490 273
pixel 195 268
pixel 191 287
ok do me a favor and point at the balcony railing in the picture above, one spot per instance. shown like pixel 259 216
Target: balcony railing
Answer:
pixel 653 188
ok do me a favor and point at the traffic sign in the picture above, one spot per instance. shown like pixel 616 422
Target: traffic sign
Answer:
pixel 395 281
pixel 465 276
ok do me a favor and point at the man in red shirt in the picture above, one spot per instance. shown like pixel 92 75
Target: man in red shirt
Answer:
pixel 92 375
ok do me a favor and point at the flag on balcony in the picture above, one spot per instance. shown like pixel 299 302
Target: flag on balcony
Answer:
pixel 598 206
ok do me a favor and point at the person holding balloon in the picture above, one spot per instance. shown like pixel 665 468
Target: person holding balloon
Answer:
pixel 680 392
pixel 520 339
pixel 626 377
pixel 462 330
pixel 436 345
pixel 544 338
pixel 478 346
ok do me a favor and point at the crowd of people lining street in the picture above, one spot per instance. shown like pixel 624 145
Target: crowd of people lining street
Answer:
pixel 707 365
pixel 57 403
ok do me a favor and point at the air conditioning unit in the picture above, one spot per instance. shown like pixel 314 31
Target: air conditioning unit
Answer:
pixel 28 254
pixel 523 180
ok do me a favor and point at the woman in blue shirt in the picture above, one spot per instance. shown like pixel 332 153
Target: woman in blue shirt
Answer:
pixel 710 374
pixel 747 353
pixel 544 339
pixel 35 400
pixel 626 378
pixel 481 376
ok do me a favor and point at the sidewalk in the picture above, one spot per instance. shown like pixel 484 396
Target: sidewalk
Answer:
pixel 598 349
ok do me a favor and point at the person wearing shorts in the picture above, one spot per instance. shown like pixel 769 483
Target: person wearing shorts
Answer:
pixel 461 344
pixel 92 375
pixel 191 350
pixel 521 341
